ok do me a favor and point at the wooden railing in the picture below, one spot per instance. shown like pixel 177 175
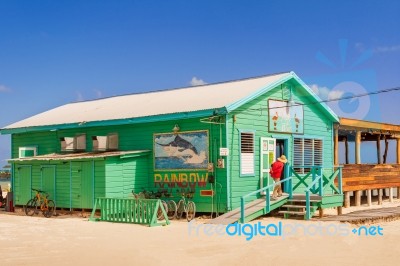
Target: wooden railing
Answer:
pixel 137 211
pixel 319 184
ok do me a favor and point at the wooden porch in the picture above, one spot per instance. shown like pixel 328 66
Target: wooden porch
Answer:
pixel 369 180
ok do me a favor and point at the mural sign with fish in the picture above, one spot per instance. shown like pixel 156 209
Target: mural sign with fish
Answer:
pixel 181 151
pixel 285 118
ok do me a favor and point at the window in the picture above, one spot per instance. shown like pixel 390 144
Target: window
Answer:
pixel 77 143
pixel 105 143
pixel 246 153
pixel 24 152
pixel 307 152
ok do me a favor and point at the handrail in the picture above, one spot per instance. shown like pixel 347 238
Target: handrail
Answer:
pixel 267 198
pixel 321 187
pixel 307 191
pixel 317 177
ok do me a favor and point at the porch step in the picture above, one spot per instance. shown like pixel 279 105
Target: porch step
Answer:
pixel 292 212
pixel 303 197
pixel 294 206
pixel 303 200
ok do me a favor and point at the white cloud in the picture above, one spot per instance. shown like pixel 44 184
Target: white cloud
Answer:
pixel 334 95
pixel 196 82
pixel 322 92
pixel 387 49
pixel 325 93
pixel 4 88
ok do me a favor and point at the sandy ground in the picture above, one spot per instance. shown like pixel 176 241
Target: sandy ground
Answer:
pixel 75 241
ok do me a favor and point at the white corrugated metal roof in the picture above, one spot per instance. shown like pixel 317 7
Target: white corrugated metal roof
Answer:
pixel 205 97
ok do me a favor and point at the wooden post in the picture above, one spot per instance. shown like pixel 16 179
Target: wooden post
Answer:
pixel 380 197
pixel 339 210
pixel 386 150
pixel 358 198
pixel 391 195
pixel 369 197
pixel 398 192
pixel 358 147
pixel 378 148
pixel 398 152
pixel 336 146
pixel 347 199
pixel 346 147
pixel 321 212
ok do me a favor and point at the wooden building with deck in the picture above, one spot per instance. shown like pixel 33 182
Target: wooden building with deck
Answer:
pixel 359 178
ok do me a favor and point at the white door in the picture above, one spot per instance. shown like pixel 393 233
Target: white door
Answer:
pixel 267 157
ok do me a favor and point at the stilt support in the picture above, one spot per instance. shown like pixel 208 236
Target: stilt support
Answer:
pixel 369 197
pixel 358 198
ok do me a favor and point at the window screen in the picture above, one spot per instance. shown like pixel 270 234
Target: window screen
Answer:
pixel 307 152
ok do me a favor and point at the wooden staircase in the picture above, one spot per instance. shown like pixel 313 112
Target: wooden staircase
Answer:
pixel 297 205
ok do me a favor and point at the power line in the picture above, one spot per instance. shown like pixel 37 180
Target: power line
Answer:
pixel 329 100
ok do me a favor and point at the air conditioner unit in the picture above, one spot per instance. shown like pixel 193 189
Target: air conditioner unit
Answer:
pixel 105 143
pixel 77 143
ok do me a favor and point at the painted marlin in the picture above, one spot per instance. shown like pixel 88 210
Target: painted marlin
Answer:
pixel 181 144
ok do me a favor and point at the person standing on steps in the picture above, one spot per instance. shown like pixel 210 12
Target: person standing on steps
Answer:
pixel 276 173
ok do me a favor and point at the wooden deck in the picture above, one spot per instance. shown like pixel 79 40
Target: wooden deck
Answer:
pixel 366 216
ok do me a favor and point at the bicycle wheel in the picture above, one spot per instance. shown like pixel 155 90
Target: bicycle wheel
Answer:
pixel 191 211
pixel 171 209
pixel 160 215
pixel 180 209
pixel 31 207
pixel 50 209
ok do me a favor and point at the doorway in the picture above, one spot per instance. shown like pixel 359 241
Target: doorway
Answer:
pixel 282 149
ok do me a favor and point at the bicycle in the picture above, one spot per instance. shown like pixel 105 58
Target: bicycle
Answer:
pixel 40 202
pixel 187 206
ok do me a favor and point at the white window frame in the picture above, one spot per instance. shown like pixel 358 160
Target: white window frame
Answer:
pixel 247 158
pixel 28 148
pixel 299 156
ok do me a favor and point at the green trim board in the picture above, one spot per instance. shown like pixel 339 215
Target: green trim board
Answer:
pixel 260 92
pixel 117 122
pixel 287 78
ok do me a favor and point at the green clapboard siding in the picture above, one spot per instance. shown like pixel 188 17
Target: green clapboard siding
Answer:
pixel 253 116
pixel 125 175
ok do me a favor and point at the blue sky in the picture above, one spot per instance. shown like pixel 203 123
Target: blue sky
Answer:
pixel 55 52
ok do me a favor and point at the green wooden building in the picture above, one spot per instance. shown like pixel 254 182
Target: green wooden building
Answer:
pixel 215 140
